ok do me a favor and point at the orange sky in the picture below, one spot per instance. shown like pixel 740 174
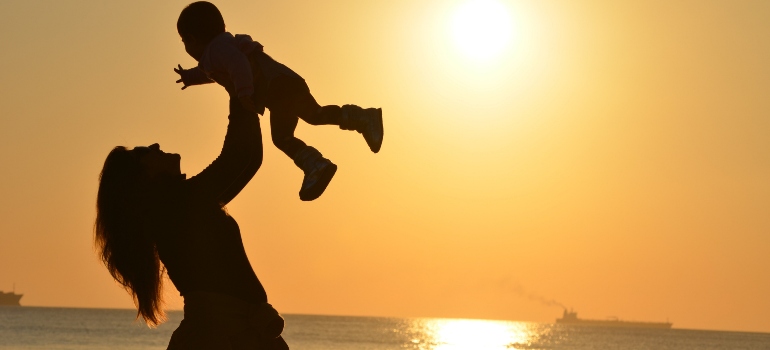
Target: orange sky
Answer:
pixel 614 156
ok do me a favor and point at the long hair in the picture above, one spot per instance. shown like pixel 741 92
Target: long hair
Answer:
pixel 123 239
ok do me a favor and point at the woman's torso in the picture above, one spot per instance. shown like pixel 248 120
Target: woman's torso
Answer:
pixel 206 253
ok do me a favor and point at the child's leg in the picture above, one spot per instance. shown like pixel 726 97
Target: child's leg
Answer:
pixel 312 113
pixel 318 170
pixel 282 126
pixel 349 117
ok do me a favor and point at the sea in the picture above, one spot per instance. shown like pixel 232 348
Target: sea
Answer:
pixel 81 329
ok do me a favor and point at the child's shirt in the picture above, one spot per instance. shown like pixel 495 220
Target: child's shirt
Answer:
pixel 226 62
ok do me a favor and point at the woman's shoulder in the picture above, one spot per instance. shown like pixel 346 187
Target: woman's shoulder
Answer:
pixel 192 200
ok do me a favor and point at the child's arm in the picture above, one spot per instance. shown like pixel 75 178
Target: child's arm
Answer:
pixel 194 76
pixel 228 58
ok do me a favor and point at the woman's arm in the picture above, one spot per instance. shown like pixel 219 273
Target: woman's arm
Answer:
pixel 240 159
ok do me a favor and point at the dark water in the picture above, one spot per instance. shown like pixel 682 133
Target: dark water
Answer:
pixel 77 329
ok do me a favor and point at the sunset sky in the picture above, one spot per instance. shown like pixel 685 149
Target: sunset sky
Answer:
pixel 609 156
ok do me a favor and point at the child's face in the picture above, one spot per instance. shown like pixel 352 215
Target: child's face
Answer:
pixel 193 47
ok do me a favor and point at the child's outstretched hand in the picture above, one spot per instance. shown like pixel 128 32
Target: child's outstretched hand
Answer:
pixel 184 77
pixel 248 103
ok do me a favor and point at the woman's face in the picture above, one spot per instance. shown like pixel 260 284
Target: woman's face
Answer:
pixel 156 162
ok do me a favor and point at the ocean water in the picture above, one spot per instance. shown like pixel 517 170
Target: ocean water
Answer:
pixel 80 329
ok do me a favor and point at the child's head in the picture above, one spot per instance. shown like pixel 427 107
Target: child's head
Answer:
pixel 198 24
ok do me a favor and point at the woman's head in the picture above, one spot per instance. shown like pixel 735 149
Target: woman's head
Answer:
pixel 122 235
pixel 126 168
pixel 156 163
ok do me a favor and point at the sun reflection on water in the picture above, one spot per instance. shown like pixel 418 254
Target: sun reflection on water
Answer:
pixel 463 334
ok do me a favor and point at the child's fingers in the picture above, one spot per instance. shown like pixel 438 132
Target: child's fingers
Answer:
pixel 179 81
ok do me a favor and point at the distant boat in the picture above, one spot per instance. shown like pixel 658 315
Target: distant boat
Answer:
pixel 570 317
pixel 10 298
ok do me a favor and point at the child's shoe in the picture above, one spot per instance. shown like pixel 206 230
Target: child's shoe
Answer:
pixel 367 122
pixel 318 172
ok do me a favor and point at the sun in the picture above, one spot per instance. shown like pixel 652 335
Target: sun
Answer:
pixel 481 29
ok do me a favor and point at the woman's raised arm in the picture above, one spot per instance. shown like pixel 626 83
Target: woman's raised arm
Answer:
pixel 240 159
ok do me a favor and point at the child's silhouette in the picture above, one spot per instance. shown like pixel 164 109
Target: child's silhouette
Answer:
pixel 239 64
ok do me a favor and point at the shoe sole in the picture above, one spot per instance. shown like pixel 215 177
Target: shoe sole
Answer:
pixel 377 147
pixel 324 178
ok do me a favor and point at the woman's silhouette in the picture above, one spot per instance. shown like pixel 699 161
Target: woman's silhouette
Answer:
pixel 151 219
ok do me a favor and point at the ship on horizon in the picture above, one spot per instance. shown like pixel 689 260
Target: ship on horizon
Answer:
pixel 570 318
pixel 10 298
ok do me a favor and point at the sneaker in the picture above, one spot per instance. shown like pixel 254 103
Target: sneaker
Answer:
pixel 319 171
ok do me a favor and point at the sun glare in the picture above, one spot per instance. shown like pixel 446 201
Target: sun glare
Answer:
pixel 476 334
pixel 481 29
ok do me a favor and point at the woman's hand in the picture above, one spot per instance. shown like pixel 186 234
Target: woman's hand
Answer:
pixel 248 103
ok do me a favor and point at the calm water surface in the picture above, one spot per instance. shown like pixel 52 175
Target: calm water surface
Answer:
pixel 79 329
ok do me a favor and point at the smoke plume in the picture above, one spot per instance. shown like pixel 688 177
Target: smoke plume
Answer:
pixel 519 290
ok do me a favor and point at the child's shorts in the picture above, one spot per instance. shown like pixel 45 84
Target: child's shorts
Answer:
pixel 274 82
pixel 290 96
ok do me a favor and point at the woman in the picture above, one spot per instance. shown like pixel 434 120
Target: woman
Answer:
pixel 150 219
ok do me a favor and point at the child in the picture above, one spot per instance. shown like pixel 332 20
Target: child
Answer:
pixel 247 73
